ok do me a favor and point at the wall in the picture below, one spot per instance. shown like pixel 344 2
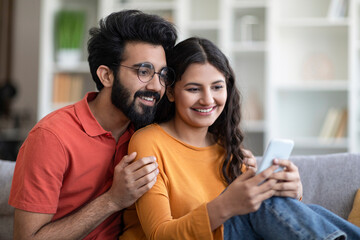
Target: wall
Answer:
pixel 25 67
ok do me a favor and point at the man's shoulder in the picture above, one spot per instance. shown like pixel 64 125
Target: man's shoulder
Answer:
pixel 58 120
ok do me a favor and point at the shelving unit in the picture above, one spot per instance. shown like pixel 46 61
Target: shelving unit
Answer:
pixel 292 62
pixel 317 52
pixel 50 68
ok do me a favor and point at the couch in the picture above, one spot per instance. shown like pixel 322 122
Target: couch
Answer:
pixel 328 180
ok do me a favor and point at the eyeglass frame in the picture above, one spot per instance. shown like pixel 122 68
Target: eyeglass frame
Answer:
pixel 138 66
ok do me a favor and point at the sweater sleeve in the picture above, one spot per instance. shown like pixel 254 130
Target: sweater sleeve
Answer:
pixel 154 207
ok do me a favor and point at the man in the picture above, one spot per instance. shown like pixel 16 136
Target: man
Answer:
pixel 72 176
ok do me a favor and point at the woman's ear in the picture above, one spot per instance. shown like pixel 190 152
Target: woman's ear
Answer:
pixel 170 94
pixel 105 75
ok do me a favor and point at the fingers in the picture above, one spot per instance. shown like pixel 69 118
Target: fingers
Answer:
pixel 249 159
pixel 145 183
pixel 140 163
pixel 127 159
pixel 290 174
pixel 142 171
pixel 285 186
pixel 259 183
pixel 290 166
pixel 290 194
pixel 264 175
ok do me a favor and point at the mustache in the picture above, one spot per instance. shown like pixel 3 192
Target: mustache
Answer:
pixel 155 95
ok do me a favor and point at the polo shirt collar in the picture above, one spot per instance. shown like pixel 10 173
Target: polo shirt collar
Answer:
pixel 89 122
pixel 86 118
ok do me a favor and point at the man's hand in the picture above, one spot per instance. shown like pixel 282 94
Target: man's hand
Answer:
pixel 288 181
pixel 132 179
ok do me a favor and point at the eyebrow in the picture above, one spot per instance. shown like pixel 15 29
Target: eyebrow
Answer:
pixel 198 84
pixel 139 64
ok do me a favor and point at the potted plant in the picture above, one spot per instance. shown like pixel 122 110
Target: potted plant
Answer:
pixel 69 36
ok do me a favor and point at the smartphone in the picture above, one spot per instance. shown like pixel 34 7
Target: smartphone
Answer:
pixel 277 148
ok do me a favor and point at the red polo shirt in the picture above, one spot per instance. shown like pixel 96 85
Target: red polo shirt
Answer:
pixel 67 161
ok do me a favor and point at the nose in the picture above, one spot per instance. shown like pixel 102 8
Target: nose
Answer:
pixel 154 84
pixel 207 98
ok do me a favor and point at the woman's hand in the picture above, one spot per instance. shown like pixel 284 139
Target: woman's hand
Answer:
pixel 288 181
pixel 244 195
pixel 249 159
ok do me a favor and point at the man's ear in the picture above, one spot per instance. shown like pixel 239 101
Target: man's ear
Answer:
pixel 105 75
pixel 170 94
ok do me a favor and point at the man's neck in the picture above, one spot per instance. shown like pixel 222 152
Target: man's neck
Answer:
pixel 108 116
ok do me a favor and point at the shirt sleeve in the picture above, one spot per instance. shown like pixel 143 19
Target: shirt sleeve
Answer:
pixel 39 170
pixel 154 207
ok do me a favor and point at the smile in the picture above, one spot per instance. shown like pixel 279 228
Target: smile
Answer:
pixel 150 99
pixel 204 110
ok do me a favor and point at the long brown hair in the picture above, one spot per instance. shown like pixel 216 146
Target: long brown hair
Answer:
pixel 225 129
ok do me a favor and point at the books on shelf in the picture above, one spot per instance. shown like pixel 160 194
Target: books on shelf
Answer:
pixel 335 124
pixel 67 88
pixel 337 9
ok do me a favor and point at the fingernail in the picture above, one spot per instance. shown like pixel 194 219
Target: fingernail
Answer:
pixel 276 161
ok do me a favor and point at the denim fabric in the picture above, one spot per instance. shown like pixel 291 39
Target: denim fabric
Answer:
pixel 287 218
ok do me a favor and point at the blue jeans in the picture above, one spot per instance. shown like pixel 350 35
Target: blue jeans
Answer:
pixel 287 218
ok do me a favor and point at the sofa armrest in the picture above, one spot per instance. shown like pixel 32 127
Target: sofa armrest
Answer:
pixel 6 211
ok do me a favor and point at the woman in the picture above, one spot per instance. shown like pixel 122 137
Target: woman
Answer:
pixel 203 183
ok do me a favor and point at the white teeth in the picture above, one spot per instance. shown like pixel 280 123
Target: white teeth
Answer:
pixel 204 110
pixel 148 99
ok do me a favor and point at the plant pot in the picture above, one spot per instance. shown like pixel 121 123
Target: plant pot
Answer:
pixel 68 57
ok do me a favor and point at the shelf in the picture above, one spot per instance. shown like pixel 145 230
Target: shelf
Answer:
pixel 319 85
pixel 238 4
pixel 81 67
pixel 204 25
pixel 248 47
pixel 318 143
pixel 148 5
pixel 314 22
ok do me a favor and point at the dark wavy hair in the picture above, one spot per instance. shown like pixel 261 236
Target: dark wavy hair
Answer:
pixel 225 129
pixel 107 42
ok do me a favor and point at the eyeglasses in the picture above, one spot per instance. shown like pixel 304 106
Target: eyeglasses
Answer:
pixel 146 72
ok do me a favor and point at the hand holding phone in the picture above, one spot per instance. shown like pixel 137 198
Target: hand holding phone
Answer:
pixel 277 148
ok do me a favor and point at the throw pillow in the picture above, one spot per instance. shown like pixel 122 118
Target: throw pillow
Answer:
pixel 354 216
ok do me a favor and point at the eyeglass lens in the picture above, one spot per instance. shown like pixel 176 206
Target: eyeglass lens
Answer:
pixel 146 72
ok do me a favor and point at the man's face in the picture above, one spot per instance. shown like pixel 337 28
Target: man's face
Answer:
pixel 136 99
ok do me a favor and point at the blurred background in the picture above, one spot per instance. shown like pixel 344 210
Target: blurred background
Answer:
pixel 296 63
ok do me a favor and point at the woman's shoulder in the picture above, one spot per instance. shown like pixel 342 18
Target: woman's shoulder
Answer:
pixel 149 132
pixel 149 129
pixel 146 140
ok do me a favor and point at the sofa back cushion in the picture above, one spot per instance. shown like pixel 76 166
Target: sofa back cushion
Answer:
pixel 330 180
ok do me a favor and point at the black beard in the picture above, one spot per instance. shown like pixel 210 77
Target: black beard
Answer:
pixel 140 115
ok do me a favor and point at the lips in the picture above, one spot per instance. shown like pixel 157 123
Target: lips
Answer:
pixel 204 110
pixel 146 96
pixel 150 99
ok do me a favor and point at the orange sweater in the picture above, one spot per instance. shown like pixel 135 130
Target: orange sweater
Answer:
pixel 175 208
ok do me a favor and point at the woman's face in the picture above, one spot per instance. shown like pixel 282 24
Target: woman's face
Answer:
pixel 199 96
